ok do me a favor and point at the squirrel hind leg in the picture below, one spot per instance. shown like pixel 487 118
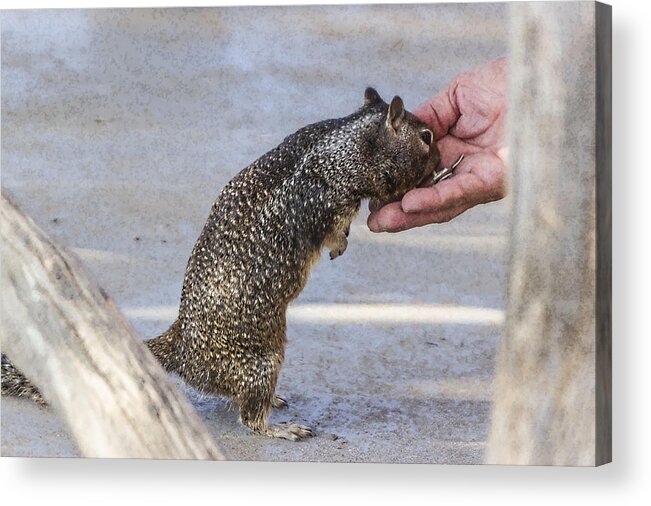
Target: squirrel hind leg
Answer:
pixel 255 405
pixel 256 420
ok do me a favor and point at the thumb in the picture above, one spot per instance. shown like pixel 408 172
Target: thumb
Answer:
pixel 440 112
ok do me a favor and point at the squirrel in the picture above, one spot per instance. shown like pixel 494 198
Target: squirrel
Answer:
pixel 264 233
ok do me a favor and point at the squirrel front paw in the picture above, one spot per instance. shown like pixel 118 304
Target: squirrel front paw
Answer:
pixel 338 247
pixel 279 402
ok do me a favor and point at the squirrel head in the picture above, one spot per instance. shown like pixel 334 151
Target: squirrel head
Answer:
pixel 401 152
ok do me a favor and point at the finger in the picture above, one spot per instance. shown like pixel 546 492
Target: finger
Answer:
pixel 375 204
pixel 453 192
pixel 392 219
pixel 481 98
pixel 379 219
pixel 440 112
pixel 480 179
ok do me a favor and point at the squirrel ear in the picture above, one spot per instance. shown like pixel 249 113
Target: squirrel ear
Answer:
pixel 371 97
pixel 396 113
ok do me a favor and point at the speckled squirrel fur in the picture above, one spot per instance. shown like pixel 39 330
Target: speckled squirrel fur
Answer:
pixel 264 233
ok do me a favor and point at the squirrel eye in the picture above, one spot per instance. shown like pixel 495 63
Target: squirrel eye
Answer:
pixel 426 136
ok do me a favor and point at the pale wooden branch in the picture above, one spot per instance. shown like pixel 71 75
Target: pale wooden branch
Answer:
pixel 65 334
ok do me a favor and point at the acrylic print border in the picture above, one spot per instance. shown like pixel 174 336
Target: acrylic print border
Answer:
pixel 604 429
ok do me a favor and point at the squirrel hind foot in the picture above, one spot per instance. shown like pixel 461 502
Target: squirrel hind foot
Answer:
pixel 289 431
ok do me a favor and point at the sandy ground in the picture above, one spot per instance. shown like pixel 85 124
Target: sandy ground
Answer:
pixel 120 127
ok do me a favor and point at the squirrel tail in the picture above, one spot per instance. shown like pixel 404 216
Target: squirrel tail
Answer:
pixel 164 347
pixel 16 384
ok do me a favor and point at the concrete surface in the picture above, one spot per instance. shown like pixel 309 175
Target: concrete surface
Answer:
pixel 119 127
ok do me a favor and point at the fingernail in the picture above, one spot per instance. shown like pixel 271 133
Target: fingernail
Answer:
pixel 407 206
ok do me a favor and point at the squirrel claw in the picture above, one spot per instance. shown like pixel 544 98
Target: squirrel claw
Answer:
pixel 290 431
pixel 335 253
pixel 279 402
pixel 339 248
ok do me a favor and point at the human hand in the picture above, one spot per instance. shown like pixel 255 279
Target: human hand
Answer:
pixel 467 117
